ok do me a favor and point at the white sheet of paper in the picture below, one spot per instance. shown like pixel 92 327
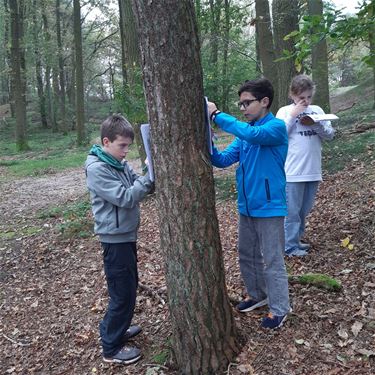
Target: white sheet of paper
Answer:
pixel 324 117
pixel 145 131
pixel 208 126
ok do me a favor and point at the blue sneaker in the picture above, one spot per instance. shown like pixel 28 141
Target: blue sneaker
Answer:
pixel 127 355
pixel 273 321
pixel 250 305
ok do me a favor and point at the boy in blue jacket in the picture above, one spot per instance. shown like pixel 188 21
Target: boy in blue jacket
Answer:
pixel 116 191
pixel 260 148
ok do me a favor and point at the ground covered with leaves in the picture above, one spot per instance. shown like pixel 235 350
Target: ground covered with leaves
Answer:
pixel 53 291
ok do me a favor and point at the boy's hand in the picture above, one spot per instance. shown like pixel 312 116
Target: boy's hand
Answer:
pixel 299 107
pixel 211 107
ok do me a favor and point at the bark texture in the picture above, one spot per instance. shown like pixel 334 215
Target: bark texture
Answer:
pixel 204 336
pixel 319 62
pixel 285 20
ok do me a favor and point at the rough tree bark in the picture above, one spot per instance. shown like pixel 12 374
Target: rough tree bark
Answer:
pixel 285 20
pixel 204 335
pixel 18 73
pixel 319 62
pixel 266 47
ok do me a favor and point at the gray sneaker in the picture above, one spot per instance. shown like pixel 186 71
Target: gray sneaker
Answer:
pixel 127 355
pixel 132 332
pixel 304 246
pixel 296 253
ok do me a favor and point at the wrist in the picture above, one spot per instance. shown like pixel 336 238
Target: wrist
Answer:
pixel 214 114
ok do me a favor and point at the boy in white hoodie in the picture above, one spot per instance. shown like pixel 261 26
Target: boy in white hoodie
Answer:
pixel 303 163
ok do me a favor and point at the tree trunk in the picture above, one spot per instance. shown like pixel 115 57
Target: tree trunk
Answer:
pixel 80 105
pixel 224 74
pixel 18 74
pixel 372 44
pixel 266 47
pixel 285 20
pixel 213 83
pixel 38 68
pixel 131 63
pixel 7 39
pixel 63 126
pixel 204 335
pixel 47 73
pixel 319 61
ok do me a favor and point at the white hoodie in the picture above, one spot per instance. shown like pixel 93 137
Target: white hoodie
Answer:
pixel 304 159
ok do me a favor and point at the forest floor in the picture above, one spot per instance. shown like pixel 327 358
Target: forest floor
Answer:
pixel 53 291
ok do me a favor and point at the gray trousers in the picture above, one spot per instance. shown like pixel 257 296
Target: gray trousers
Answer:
pixel 261 257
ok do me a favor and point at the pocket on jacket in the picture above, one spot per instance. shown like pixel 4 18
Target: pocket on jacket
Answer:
pixel 267 188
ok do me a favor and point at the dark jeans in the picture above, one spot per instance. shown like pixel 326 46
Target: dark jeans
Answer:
pixel 120 267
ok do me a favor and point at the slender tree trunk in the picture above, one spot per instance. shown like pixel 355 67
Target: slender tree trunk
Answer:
pixel 319 59
pixel 80 106
pixel 63 126
pixel 224 74
pixel 266 47
pixel 47 73
pixel 213 84
pixel 372 44
pixel 18 73
pixel 204 337
pixel 38 68
pixel 55 97
pixel 7 38
pixel 285 20
pixel 131 62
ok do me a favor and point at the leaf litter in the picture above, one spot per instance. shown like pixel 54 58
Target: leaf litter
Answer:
pixel 53 290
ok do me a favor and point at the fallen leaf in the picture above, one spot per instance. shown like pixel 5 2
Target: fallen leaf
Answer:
pixel 299 341
pixel 345 242
pixel 356 328
pixel 343 334
pixel 367 353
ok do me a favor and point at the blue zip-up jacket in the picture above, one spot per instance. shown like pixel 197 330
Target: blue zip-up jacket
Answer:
pixel 260 147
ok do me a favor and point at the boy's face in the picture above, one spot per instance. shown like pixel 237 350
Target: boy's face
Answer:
pixel 304 98
pixel 119 148
pixel 252 108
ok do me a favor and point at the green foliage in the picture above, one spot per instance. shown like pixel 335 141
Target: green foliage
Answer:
pixel 130 99
pixel 341 31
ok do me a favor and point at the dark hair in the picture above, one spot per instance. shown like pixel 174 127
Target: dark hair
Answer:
pixel 300 84
pixel 259 88
pixel 116 125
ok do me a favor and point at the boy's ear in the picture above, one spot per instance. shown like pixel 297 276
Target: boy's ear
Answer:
pixel 106 141
pixel 265 101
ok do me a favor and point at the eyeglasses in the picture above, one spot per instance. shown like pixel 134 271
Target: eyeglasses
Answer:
pixel 246 103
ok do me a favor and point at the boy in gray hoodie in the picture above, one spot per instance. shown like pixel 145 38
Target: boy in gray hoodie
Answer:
pixel 115 191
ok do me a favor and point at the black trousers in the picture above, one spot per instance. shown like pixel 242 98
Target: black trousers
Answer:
pixel 120 267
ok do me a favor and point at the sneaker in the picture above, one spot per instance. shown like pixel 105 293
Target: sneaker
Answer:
pixel 295 253
pixel 249 305
pixel 127 355
pixel 132 332
pixel 273 321
pixel 304 246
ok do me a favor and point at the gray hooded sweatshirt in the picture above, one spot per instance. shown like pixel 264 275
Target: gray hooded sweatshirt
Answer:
pixel 115 197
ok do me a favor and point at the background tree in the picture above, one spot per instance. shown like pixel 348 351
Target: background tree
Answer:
pixel 132 93
pixel 204 339
pixel 266 47
pixel 80 106
pixel 319 57
pixel 16 8
pixel 285 21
